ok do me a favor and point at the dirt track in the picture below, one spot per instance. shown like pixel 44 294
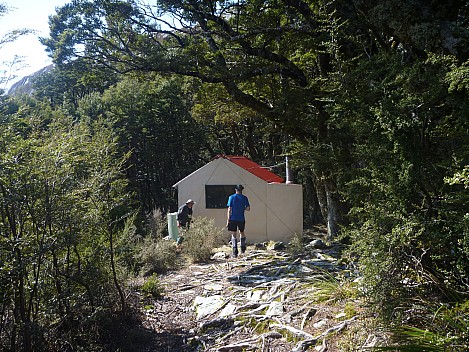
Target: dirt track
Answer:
pixel 261 301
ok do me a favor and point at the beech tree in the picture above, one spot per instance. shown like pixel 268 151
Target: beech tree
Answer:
pixel 8 68
pixel 151 117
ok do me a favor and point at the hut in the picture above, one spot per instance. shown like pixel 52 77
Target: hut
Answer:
pixel 276 206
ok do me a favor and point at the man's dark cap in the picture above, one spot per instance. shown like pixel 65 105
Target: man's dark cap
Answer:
pixel 239 187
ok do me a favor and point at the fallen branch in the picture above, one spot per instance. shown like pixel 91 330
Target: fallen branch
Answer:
pixel 252 312
pixel 302 309
pixel 305 344
pixel 248 306
pixel 237 347
pixel 292 330
pixel 234 332
pixel 249 343
pixel 218 323
pixel 307 316
pixel 336 328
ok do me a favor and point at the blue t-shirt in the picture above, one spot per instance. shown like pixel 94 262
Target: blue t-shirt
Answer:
pixel 238 203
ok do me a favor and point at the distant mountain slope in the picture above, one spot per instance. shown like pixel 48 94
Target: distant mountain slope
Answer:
pixel 24 86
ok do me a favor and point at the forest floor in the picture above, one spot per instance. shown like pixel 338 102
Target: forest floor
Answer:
pixel 264 300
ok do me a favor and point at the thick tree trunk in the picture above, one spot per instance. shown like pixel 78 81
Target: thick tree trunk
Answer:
pixel 333 212
pixel 312 209
pixel 329 204
pixel 322 200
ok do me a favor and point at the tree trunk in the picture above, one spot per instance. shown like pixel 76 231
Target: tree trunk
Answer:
pixel 333 212
pixel 312 209
pixel 114 273
pixel 329 204
pixel 322 200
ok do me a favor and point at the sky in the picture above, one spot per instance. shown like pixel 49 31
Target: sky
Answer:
pixel 32 14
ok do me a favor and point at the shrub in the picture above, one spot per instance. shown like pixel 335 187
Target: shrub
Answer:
pixel 152 287
pixel 157 256
pixel 201 239
pixel 443 330
pixel 296 245
pixel 157 224
pixel 328 288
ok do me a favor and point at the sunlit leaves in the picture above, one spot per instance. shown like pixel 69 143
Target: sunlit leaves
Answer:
pixel 61 193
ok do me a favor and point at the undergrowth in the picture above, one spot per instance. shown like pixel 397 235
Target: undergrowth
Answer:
pixel 329 288
pixel 157 255
pixel 200 239
pixel 447 329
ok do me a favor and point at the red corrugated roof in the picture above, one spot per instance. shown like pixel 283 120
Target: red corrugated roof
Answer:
pixel 253 168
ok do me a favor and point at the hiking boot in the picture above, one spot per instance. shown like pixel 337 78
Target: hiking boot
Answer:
pixel 243 249
pixel 235 252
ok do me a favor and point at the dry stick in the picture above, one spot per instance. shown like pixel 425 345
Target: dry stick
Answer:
pixel 237 347
pixel 293 330
pixel 305 344
pixel 248 342
pixel 248 306
pixel 301 309
pixel 310 312
pixel 231 333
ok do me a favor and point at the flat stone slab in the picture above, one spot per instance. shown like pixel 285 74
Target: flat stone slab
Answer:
pixel 205 306
pixel 228 310
pixel 275 309
pixel 213 287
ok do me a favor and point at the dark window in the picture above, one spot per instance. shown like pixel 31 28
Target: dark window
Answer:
pixel 216 196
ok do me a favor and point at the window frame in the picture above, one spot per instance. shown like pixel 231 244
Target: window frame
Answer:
pixel 216 196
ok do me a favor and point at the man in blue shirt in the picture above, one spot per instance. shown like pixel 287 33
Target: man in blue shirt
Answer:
pixel 237 204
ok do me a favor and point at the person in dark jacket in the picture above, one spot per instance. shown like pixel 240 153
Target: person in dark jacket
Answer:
pixel 184 218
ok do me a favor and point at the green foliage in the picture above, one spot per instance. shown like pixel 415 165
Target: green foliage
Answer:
pixel 8 69
pixel 152 287
pixel 350 310
pixel 328 288
pixel 460 178
pixel 446 330
pixel 153 122
pixel 373 96
pixel 151 251
pixel 157 224
pixel 201 239
pixel 296 245
pixel 68 86
pixel 156 255
pixel 61 200
pixel 405 222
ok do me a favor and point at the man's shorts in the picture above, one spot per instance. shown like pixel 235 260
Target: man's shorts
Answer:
pixel 234 225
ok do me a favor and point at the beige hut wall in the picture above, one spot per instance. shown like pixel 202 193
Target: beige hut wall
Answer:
pixel 224 172
pixel 264 198
pixel 284 211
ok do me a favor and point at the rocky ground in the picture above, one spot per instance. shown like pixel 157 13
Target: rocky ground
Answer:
pixel 265 300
